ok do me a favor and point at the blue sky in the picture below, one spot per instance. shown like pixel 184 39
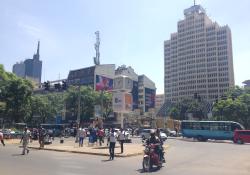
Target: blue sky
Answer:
pixel 132 33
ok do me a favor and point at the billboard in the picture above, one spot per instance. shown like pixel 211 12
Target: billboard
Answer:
pixel 149 98
pixel 128 102
pixel 118 102
pixel 103 83
pixel 122 102
pixel 135 95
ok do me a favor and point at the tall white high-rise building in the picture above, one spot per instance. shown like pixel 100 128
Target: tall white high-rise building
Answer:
pixel 198 58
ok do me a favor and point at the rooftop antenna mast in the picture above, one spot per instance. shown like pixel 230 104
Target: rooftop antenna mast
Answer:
pixel 97 45
pixel 194 3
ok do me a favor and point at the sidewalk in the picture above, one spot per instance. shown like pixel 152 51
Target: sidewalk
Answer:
pixel 130 149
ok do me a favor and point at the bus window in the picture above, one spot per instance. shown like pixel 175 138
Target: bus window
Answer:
pixel 196 125
pixel 205 126
pixel 227 127
pixel 214 126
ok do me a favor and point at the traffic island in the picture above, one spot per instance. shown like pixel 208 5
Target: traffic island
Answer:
pixel 129 150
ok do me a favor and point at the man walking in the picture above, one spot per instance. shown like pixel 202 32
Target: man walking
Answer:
pixel 41 137
pixel 121 138
pixel 112 141
pixel 25 139
pixel 1 138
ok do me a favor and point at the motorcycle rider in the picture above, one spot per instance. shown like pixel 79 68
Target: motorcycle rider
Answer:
pixel 161 151
pixel 155 140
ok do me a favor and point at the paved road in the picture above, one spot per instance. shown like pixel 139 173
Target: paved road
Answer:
pixel 183 158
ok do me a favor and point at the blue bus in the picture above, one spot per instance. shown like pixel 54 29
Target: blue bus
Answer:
pixel 203 130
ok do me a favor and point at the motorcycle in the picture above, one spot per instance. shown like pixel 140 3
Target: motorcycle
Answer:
pixel 151 158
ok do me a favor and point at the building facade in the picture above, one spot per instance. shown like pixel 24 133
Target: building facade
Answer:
pixel 146 94
pixel 198 58
pixel 30 68
pixel 19 69
pixel 99 77
pixel 159 101
pixel 246 84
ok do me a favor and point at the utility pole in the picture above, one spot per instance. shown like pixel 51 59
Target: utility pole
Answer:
pixel 102 103
pixel 97 45
pixel 79 106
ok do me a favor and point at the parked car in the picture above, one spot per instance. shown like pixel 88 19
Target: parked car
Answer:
pixel 171 132
pixel 145 134
pixel 6 133
pixel 163 136
pixel 241 136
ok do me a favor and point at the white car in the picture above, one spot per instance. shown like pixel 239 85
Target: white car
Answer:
pixel 163 136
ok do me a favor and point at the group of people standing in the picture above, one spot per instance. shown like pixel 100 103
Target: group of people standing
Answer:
pixel 97 135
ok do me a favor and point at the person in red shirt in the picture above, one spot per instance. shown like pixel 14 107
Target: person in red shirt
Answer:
pixel 100 134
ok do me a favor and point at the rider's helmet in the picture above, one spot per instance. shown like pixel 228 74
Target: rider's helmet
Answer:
pixel 152 132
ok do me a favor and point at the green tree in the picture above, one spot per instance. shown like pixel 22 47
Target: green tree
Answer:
pixel 16 94
pixel 234 107
pixel 86 96
pixel 175 113
pixel 105 98
pixel 47 106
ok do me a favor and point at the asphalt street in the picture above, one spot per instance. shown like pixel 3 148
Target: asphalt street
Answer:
pixel 183 158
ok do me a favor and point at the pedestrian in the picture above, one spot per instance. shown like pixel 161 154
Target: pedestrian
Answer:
pixel 2 139
pixel 41 137
pixel 121 138
pixel 100 134
pixel 108 134
pixel 82 135
pixel 26 137
pixel 132 132
pixel 112 141
pixel 176 131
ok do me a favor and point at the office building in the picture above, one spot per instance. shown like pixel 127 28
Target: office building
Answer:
pixel 19 69
pixel 159 101
pixel 99 77
pixel 30 68
pixel 198 58
pixel 246 84
pixel 146 94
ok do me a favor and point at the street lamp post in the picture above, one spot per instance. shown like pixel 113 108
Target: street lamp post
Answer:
pixel 79 106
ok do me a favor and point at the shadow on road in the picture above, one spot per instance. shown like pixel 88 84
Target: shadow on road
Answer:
pixel 107 160
pixel 154 169
pixel 17 155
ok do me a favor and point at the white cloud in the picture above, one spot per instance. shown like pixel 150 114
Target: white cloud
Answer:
pixel 32 30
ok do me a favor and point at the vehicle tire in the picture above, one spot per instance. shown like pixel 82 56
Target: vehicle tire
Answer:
pixel 200 138
pixel 204 140
pixel 239 141
pixel 146 164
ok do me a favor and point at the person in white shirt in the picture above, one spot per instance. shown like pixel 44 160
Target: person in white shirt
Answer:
pixel 82 135
pixel 26 139
pixel 121 138
pixel 112 141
